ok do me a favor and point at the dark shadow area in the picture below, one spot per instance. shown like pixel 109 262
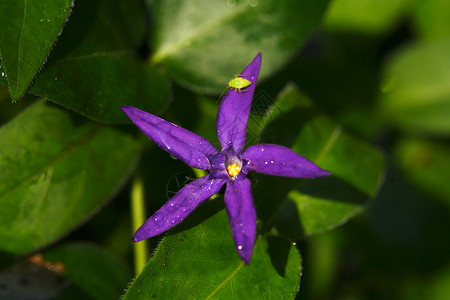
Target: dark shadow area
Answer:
pixel 288 220
pixel 278 249
pixel 184 110
pixel 410 229
pixel 269 193
pixel 332 188
pixel 284 131
pixel 83 17
pixel 145 50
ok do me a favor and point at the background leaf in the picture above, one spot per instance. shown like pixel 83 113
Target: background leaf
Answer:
pixel 426 164
pixel 431 20
pixel 96 68
pixel 416 93
pixel 367 16
pixel 89 267
pixel 188 34
pixel 299 207
pixel 29 30
pixel 199 261
pixel 55 172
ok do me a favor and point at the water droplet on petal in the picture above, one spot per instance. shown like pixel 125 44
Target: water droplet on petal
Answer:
pixel 240 247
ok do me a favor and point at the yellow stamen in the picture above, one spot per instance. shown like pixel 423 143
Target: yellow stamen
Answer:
pixel 233 169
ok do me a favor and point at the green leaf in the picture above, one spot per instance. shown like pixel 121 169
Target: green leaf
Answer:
pixel 89 267
pixel 426 164
pixel 29 30
pixel 95 67
pixel 301 207
pixel 202 44
pixel 366 16
pixel 431 19
pixel 56 171
pixel 199 261
pixel 416 91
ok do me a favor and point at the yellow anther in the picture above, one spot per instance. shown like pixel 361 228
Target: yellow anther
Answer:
pixel 233 169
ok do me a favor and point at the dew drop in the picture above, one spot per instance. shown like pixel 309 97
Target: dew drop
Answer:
pixel 171 204
pixel 3 74
pixel 271 161
pixel 240 247
pixel 231 3
pixel 265 163
pixel 168 147
pixel 253 3
pixel 156 219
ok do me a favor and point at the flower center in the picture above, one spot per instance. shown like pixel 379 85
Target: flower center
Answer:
pixel 233 169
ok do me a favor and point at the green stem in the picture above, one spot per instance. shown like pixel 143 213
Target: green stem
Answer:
pixel 137 219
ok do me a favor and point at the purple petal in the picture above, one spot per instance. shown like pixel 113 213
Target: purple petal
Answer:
pixel 179 207
pixel 242 216
pixel 280 161
pixel 181 143
pixel 234 110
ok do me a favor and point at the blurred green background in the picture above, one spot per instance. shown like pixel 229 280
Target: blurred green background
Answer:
pixel 378 68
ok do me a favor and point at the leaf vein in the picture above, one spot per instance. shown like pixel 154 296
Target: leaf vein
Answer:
pixel 337 130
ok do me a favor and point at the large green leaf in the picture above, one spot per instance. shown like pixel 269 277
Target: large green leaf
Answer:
pixel 367 16
pixel 298 207
pixel 55 173
pixel 95 67
pixel 416 92
pixel 426 164
pixel 91 268
pixel 202 44
pixel 202 263
pixel 29 30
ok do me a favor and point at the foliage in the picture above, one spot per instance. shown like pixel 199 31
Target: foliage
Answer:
pixel 358 87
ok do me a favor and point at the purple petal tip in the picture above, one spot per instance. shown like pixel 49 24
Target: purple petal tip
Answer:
pixel 323 173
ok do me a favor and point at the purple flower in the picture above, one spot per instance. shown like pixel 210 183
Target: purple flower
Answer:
pixel 228 166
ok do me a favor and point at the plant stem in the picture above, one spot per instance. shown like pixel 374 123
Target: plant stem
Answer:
pixel 137 219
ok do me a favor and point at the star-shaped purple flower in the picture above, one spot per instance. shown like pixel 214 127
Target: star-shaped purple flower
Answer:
pixel 228 166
